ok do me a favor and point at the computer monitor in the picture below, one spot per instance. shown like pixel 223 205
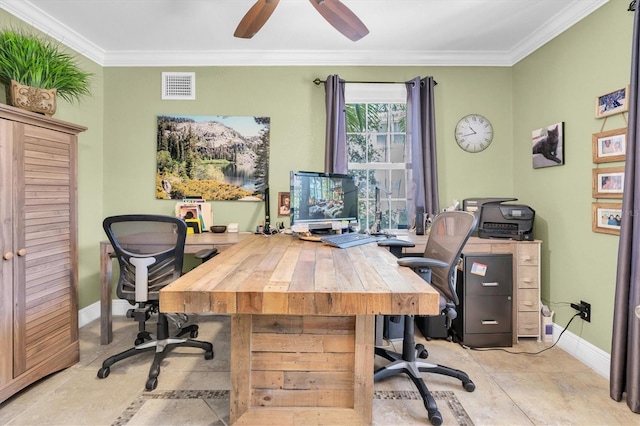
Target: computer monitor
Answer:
pixel 321 201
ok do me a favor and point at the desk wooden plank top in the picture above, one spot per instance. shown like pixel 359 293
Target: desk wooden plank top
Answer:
pixel 283 275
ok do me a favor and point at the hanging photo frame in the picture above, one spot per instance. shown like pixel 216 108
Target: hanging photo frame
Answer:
pixel 609 146
pixel 612 103
pixel 606 218
pixel 608 183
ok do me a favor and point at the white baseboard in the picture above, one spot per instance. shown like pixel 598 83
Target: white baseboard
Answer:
pixel 588 354
pixel 92 312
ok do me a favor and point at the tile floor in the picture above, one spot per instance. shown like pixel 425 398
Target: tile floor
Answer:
pixel 549 388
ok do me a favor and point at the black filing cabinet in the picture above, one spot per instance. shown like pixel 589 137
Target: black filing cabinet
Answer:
pixel 485 289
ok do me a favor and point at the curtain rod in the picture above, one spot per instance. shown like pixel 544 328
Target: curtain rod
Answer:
pixel 317 82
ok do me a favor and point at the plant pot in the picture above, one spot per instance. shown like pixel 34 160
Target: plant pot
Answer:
pixel 33 99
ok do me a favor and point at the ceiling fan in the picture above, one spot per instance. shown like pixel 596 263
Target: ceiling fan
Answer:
pixel 334 11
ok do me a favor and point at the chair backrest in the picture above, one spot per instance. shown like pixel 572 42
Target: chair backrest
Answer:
pixel 149 249
pixel 448 234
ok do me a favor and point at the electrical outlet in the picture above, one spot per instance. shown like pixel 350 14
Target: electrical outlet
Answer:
pixel 585 310
pixel 585 313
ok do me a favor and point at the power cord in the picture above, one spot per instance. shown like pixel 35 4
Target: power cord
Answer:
pixel 523 353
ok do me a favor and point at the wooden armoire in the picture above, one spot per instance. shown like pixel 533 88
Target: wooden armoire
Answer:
pixel 38 243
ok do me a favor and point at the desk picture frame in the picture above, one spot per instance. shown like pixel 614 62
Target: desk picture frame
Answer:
pixel 609 146
pixel 612 103
pixel 606 218
pixel 284 204
pixel 608 182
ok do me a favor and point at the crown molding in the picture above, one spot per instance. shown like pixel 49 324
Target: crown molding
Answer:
pixel 558 24
pixel 55 29
pixel 35 17
pixel 305 58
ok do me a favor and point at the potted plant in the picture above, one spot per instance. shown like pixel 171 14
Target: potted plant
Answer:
pixel 35 71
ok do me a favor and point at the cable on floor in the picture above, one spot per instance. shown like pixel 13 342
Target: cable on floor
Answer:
pixel 523 353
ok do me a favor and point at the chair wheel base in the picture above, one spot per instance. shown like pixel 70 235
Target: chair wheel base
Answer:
pixel 208 355
pixel 469 386
pixel 435 418
pixel 151 384
pixel 103 373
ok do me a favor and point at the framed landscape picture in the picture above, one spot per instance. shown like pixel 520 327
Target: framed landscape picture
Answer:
pixel 212 157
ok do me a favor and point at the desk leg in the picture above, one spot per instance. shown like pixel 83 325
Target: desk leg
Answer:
pixel 292 369
pixel 106 331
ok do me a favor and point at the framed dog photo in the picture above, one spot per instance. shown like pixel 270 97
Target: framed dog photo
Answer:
pixel 609 146
pixel 606 218
pixel 612 103
pixel 548 146
pixel 608 183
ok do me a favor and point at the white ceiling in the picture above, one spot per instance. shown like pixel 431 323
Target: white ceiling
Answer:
pixel 402 32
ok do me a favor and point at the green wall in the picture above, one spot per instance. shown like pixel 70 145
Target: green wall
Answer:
pixel 559 82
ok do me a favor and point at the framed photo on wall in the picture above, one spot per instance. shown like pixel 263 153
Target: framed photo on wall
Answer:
pixel 548 146
pixel 606 218
pixel 608 183
pixel 609 146
pixel 612 103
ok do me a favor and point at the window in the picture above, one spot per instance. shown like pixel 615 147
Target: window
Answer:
pixel 377 154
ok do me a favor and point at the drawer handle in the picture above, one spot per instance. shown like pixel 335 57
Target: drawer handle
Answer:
pixel 527 280
pixel 489 322
pixel 527 302
pixel 7 256
pixel 490 284
pixel 22 252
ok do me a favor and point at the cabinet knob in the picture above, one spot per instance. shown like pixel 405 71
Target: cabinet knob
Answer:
pixel 7 256
pixel 22 252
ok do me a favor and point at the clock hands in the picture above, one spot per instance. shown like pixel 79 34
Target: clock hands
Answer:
pixel 469 134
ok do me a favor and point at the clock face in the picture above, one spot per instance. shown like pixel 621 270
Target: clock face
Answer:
pixel 474 133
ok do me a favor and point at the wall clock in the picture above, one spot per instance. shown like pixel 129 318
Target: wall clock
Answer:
pixel 474 133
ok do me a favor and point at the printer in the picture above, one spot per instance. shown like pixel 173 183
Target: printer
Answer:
pixel 499 220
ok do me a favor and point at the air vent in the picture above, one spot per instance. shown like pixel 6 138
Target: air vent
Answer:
pixel 178 85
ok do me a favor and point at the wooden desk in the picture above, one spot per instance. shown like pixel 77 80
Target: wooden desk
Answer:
pixel 302 329
pixel 194 243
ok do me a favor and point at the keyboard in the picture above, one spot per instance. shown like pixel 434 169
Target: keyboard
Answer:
pixel 348 240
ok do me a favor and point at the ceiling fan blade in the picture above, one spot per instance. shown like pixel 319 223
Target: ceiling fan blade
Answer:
pixel 341 18
pixel 255 18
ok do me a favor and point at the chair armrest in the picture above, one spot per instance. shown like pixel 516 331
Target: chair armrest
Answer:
pixel 394 242
pixel 421 262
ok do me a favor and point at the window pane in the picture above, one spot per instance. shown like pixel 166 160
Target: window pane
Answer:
pixel 399 121
pixel 382 114
pixel 397 149
pixel 399 214
pixel 398 184
pixel 356 145
pixel 380 149
pixel 356 118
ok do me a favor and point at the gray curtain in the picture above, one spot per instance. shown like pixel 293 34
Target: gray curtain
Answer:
pixel 421 130
pixel 335 150
pixel 625 346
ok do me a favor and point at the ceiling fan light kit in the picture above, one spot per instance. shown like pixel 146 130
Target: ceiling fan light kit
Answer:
pixel 333 11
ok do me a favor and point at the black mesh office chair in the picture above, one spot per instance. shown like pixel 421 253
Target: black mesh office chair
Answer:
pixel 448 235
pixel 150 250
